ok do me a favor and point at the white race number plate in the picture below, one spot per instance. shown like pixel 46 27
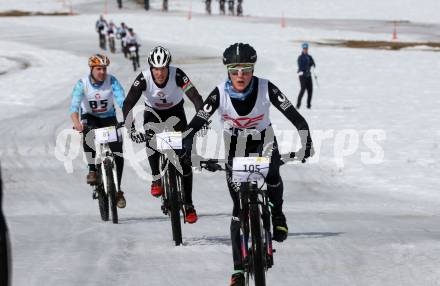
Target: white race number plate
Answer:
pixel 250 169
pixel 169 140
pixel 106 135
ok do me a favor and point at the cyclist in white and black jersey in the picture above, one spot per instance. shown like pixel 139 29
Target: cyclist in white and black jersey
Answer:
pixel 111 29
pixel 122 32
pixel 243 102
pixel 132 40
pixel 101 28
pixel 163 87
pixel 101 24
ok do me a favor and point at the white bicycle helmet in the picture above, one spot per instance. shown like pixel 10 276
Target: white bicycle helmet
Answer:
pixel 159 57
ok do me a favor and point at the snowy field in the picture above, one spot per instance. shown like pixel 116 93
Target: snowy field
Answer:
pixel 364 211
pixel 409 10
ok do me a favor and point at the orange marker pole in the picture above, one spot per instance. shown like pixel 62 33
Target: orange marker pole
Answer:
pixel 395 31
pixel 190 11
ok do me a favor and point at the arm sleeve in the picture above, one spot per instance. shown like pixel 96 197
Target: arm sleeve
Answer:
pixel 210 105
pixel 280 101
pixel 183 81
pixel 77 95
pixel 135 92
pixel 312 62
pixel 301 64
pixel 118 91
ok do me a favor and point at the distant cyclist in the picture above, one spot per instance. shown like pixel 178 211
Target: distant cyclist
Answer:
pixel 101 27
pixel 231 4
pixel 222 6
pixel 122 32
pixel 92 105
pixel 239 7
pixel 111 34
pixel 131 40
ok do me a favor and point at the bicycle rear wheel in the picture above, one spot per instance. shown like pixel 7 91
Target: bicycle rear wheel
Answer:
pixel 111 190
pixel 170 184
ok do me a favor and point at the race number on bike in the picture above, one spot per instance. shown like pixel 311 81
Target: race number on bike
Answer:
pixel 249 169
pixel 106 135
pixel 169 140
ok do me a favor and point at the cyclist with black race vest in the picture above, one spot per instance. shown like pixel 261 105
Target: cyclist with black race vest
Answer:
pixel 243 102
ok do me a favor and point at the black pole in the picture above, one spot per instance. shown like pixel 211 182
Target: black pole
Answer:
pixel 147 4
pixel 5 259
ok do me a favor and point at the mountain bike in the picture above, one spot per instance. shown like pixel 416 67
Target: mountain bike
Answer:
pixel 102 41
pixel 169 145
pixel 107 180
pixel 132 55
pixel 254 213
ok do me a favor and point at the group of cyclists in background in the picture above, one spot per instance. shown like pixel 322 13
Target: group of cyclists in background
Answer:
pixel 108 32
pixel 231 7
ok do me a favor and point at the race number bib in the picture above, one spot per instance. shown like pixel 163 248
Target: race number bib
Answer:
pixel 169 140
pixel 249 169
pixel 106 135
pixel 99 106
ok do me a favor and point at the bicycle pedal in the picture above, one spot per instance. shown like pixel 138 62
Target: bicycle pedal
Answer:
pixel 95 195
pixel 164 210
pixel 274 250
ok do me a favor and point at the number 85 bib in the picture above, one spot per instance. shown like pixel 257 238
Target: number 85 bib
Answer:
pixel 97 99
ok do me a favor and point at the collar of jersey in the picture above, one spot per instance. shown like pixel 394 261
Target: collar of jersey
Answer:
pixel 229 89
pixel 95 84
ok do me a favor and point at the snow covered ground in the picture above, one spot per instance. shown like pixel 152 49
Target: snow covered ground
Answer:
pixel 351 221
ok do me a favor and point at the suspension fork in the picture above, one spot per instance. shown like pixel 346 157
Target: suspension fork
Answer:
pixel 244 220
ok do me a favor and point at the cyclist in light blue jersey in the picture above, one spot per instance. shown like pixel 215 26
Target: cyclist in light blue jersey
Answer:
pixel 93 100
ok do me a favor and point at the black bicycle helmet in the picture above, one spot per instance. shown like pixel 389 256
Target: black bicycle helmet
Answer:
pixel 239 53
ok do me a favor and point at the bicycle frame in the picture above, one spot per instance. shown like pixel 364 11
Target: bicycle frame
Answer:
pixel 103 157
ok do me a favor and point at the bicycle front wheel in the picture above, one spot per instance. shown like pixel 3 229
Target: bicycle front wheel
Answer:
pixel 103 203
pixel 170 184
pixel 111 190
pixel 257 250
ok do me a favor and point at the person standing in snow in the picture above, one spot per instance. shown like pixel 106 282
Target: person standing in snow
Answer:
pixel 305 63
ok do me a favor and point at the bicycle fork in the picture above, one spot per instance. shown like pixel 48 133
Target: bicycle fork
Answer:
pixel 108 160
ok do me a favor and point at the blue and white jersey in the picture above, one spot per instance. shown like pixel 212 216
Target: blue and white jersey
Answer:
pixel 97 99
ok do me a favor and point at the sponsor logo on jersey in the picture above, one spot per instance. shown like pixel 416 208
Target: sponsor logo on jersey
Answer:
pixel 207 108
pixel 163 105
pixel 97 96
pixel 161 94
pixel 244 122
pixel 204 115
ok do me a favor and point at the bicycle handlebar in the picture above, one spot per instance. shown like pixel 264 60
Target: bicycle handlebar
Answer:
pixel 213 165
pixel 87 128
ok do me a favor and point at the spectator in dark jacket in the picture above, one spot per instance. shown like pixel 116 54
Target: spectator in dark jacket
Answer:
pixel 305 63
